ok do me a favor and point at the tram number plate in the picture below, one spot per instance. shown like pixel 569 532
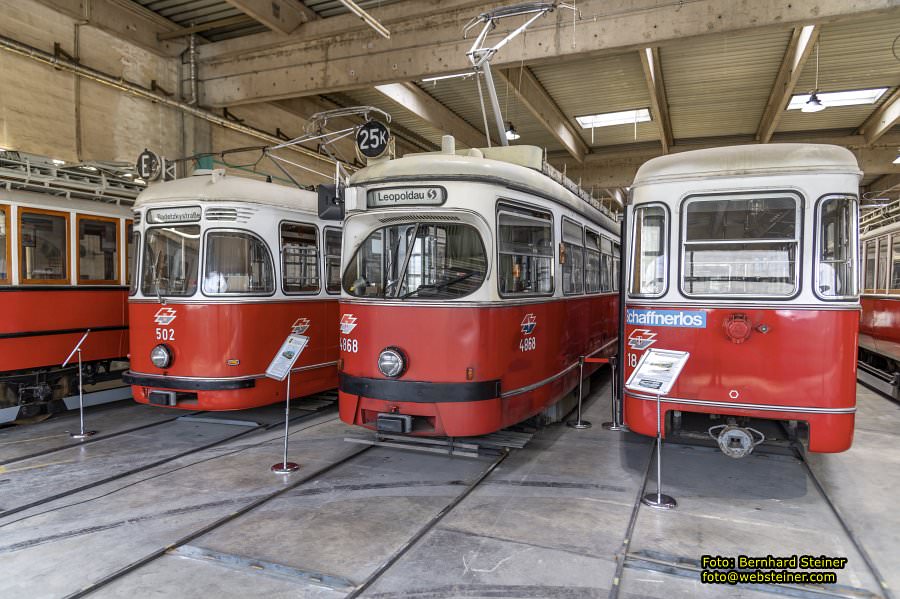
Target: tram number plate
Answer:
pixel 349 345
pixel 528 344
pixel 165 334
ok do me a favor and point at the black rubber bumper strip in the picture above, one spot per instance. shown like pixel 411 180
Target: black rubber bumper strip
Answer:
pixel 419 391
pixel 185 384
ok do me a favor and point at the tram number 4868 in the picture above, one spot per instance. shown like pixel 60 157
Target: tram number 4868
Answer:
pixel 349 345
pixel 528 344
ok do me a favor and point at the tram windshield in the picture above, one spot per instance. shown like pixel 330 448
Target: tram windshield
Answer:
pixel 170 263
pixel 741 246
pixel 418 261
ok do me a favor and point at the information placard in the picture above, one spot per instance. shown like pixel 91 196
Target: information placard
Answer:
pixel 286 357
pixel 657 371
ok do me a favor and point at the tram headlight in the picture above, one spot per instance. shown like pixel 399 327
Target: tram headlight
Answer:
pixel 391 362
pixel 161 356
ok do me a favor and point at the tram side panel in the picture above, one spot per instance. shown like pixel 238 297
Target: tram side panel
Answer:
pixel 220 351
pixel 486 368
pixel 879 326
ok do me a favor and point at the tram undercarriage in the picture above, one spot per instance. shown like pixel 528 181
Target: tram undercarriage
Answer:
pixel 879 372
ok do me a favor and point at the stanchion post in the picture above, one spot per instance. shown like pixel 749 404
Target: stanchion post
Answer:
pixel 285 467
pixel 81 434
pixel 579 423
pixel 659 500
pixel 615 424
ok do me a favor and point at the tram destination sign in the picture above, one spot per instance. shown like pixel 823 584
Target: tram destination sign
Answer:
pixel 182 214
pixel 433 195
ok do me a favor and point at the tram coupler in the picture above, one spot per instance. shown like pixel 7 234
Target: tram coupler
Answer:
pixel 736 441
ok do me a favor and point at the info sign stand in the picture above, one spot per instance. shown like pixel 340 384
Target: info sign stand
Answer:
pixel 656 373
pixel 82 434
pixel 280 369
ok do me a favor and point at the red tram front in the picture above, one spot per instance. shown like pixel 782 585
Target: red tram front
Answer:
pixel 230 266
pixel 746 257
pixel 472 286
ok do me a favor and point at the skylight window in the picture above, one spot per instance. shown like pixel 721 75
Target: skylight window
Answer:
pixel 608 119
pixel 849 98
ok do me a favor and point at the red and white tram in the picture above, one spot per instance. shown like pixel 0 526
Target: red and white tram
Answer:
pixel 63 270
pixel 879 325
pixel 472 285
pixel 228 267
pixel 746 258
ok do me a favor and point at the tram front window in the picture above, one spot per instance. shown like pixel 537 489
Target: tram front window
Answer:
pixel 418 260
pixel 171 256
pixel 741 246
pixel 836 276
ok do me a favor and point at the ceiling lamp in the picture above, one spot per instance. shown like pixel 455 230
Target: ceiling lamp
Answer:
pixel 511 133
pixel 814 104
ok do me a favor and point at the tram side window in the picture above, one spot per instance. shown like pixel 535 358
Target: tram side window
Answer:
pixel 171 261
pixel 573 265
pixel 606 265
pixel 134 245
pixel 332 261
pixel 617 265
pixel 300 258
pixel 895 271
pixel 870 265
pixel 98 255
pixel 525 245
pixel 650 259
pixel 837 238
pixel 591 262
pixel 741 246
pixel 43 247
pixel 4 246
pixel 882 275
pixel 237 263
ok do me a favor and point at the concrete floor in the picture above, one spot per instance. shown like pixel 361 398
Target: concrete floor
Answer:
pixel 549 521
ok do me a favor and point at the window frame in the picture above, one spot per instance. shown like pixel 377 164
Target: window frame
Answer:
pixel 667 242
pixel 599 252
pixel 79 217
pixel 201 259
pixel 20 212
pixel 135 283
pixel 562 240
pixel 340 286
pixel 7 222
pixel 502 203
pixel 319 255
pixel 205 262
pixel 799 230
pixel 853 244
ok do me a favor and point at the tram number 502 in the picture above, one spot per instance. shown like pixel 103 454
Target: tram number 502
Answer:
pixel 528 344
pixel 165 334
pixel 349 345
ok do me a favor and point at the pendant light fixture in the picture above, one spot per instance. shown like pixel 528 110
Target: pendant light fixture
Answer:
pixel 814 104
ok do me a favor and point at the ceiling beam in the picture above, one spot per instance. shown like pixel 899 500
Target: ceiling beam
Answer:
pixel 421 104
pixel 616 166
pixel 341 53
pixel 803 40
pixel 125 20
pixel 536 99
pixel 659 103
pixel 882 118
pixel 281 16
pixel 185 31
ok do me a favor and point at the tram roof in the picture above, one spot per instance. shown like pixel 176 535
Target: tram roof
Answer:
pixel 511 166
pixel 55 202
pixel 748 160
pixel 220 187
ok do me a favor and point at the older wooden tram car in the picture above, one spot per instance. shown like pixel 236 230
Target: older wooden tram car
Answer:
pixel 63 270
pixel 228 267
pixel 879 326
pixel 472 285
pixel 746 257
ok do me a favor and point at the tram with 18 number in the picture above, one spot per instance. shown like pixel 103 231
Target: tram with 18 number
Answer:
pixel 473 283
pixel 229 266
pixel 746 257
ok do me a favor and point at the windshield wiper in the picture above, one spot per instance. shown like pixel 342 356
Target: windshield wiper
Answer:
pixel 443 285
pixel 159 296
